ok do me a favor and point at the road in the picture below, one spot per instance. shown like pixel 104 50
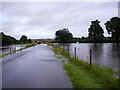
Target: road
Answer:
pixel 34 67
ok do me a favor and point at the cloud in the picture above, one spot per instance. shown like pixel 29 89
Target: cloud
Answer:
pixel 42 19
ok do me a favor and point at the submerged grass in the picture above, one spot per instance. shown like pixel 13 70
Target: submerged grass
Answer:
pixel 77 69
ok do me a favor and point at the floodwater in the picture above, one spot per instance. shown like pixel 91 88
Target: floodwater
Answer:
pixel 6 49
pixel 34 67
pixel 103 54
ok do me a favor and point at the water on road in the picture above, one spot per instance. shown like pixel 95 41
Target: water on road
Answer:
pixel 34 67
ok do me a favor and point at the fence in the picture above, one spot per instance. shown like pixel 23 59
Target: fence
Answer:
pixel 11 49
pixel 75 52
pixel 100 57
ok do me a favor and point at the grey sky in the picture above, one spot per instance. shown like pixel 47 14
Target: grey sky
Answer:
pixel 42 19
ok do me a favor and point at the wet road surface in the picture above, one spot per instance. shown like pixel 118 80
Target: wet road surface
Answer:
pixel 35 67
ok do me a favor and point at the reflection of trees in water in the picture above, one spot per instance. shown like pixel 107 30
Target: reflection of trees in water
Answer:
pixel 106 54
pixel 64 45
pixel 97 53
pixel 103 54
pixel 97 49
pixel 8 49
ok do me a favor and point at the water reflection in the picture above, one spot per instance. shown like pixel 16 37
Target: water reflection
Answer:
pixel 103 54
pixel 6 49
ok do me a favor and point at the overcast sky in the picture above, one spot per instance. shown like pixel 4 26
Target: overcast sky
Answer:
pixel 43 19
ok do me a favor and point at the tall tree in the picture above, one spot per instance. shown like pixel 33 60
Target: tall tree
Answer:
pixel 23 39
pixel 95 31
pixel 63 35
pixel 113 28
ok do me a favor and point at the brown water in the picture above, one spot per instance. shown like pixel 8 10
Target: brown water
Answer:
pixel 103 54
pixel 6 49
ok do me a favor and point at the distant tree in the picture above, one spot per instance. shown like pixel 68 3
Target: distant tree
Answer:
pixel 6 40
pixel 63 35
pixel 29 40
pixel 95 31
pixel 113 28
pixel 83 37
pixel 23 39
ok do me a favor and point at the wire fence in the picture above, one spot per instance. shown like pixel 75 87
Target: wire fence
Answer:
pixel 92 56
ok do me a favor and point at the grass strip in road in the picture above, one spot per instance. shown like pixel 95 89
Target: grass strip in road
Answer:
pixel 29 45
pixel 103 76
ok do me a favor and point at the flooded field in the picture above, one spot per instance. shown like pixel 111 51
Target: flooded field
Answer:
pixel 6 49
pixel 103 54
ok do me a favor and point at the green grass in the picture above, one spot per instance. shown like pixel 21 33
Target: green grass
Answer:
pixel 103 76
pixel 80 78
pixel 29 45
pixel 3 55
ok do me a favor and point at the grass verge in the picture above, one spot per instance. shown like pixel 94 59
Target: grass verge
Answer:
pixel 85 76
pixel 80 78
pixel 29 45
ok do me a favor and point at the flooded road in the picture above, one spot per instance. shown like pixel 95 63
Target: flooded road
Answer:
pixel 34 67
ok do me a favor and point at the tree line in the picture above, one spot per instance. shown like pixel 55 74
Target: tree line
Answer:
pixel 95 32
pixel 7 40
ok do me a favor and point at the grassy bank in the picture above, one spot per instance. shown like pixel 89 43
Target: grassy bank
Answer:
pixel 28 45
pixel 85 76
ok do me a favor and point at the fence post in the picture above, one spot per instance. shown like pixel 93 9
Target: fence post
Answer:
pixel 75 51
pixel 63 47
pixel 10 49
pixel 68 50
pixel 15 48
pixel 90 57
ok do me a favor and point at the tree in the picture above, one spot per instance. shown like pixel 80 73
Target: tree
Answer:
pixel 113 28
pixel 63 35
pixel 23 39
pixel 95 31
pixel 29 40
pixel 6 40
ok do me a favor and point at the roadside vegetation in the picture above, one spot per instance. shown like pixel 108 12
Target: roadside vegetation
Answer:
pixel 85 76
pixel 27 46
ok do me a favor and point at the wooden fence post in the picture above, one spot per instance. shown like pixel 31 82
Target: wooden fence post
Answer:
pixel 68 50
pixel 90 57
pixel 10 49
pixel 63 47
pixel 75 51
